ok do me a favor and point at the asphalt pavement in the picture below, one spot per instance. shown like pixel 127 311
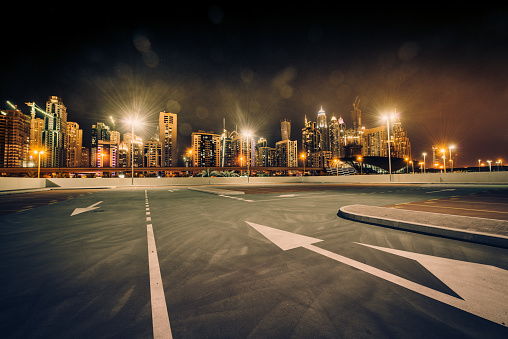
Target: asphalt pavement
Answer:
pixel 250 261
pixel 458 221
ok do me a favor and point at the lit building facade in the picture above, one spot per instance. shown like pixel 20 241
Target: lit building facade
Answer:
pixel 153 153
pixel 351 142
pixel 53 134
pixel 287 153
pixel 205 149
pixel 74 144
pixel 168 138
pixel 14 138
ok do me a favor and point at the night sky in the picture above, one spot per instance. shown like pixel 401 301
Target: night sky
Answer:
pixel 445 71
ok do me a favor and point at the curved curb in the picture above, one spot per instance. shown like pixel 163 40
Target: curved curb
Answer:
pixel 441 231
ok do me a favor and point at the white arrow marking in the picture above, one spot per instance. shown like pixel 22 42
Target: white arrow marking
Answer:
pixel 482 287
pixel 85 209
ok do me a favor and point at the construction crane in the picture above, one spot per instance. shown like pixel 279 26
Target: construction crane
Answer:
pixel 35 108
pixel 15 107
pixel 356 103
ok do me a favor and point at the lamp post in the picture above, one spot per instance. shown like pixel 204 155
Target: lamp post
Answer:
pixel 361 164
pixel 132 121
pixel 424 154
pixel 39 163
pixel 479 163
pixel 388 140
pixel 490 167
pixel 444 158
pixel 303 160
pixel 451 160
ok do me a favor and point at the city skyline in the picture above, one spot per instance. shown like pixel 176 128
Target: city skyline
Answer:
pixel 443 72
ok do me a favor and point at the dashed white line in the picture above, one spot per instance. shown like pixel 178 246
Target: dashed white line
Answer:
pixel 160 317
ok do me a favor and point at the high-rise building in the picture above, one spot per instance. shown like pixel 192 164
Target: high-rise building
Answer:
pixel 226 148
pixel 205 149
pixel 74 143
pixel 322 125
pixel 242 149
pixel 168 138
pixel 136 151
pixel 285 129
pixel 106 154
pixel 152 151
pixel 36 127
pixel 356 115
pixel 53 134
pixel 100 133
pixel 14 138
pixel 335 140
pixel 287 154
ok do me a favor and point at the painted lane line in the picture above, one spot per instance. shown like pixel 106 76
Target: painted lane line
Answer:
pixel 460 208
pixel 481 287
pixel 160 317
pixel 444 190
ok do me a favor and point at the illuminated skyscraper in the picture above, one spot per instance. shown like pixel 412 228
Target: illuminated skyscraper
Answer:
pixel 285 129
pixel 168 138
pixel 74 142
pixel 53 134
pixel 287 155
pixel 205 149
pixel 322 125
pixel 14 138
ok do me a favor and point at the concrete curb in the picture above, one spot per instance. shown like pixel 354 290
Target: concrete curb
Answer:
pixel 358 213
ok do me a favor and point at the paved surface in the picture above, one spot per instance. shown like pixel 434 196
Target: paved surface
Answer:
pixel 478 217
pixel 243 262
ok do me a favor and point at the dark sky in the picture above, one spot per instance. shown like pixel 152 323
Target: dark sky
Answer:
pixel 444 70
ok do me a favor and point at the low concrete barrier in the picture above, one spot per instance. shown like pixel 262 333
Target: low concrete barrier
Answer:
pixel 11 183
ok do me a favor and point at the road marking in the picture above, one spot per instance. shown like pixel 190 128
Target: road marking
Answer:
pixel 481 287
pixel 85 209
pixel 459 208
pixel 160 317
pixel 444 190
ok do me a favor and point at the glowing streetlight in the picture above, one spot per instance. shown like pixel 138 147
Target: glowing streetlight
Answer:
pixel 424 154
pixel 490 167
pixel 444 158
pixel 248 135
pixel 361 164
pixel 132 121
pixel 303 160
pixel 479 164
pixel 39 163
pixel 451 161
pixel 388 141
pixel 337 165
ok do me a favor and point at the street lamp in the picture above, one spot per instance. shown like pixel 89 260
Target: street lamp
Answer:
pixel 132 121
pixel 337 165
pixel 479 163
pixel 444 158
pixel 303 160
pixel 361 164
pixel 388 140
pixel 424 154
pixel 490 167
pixel 39 163
pixel 451 160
